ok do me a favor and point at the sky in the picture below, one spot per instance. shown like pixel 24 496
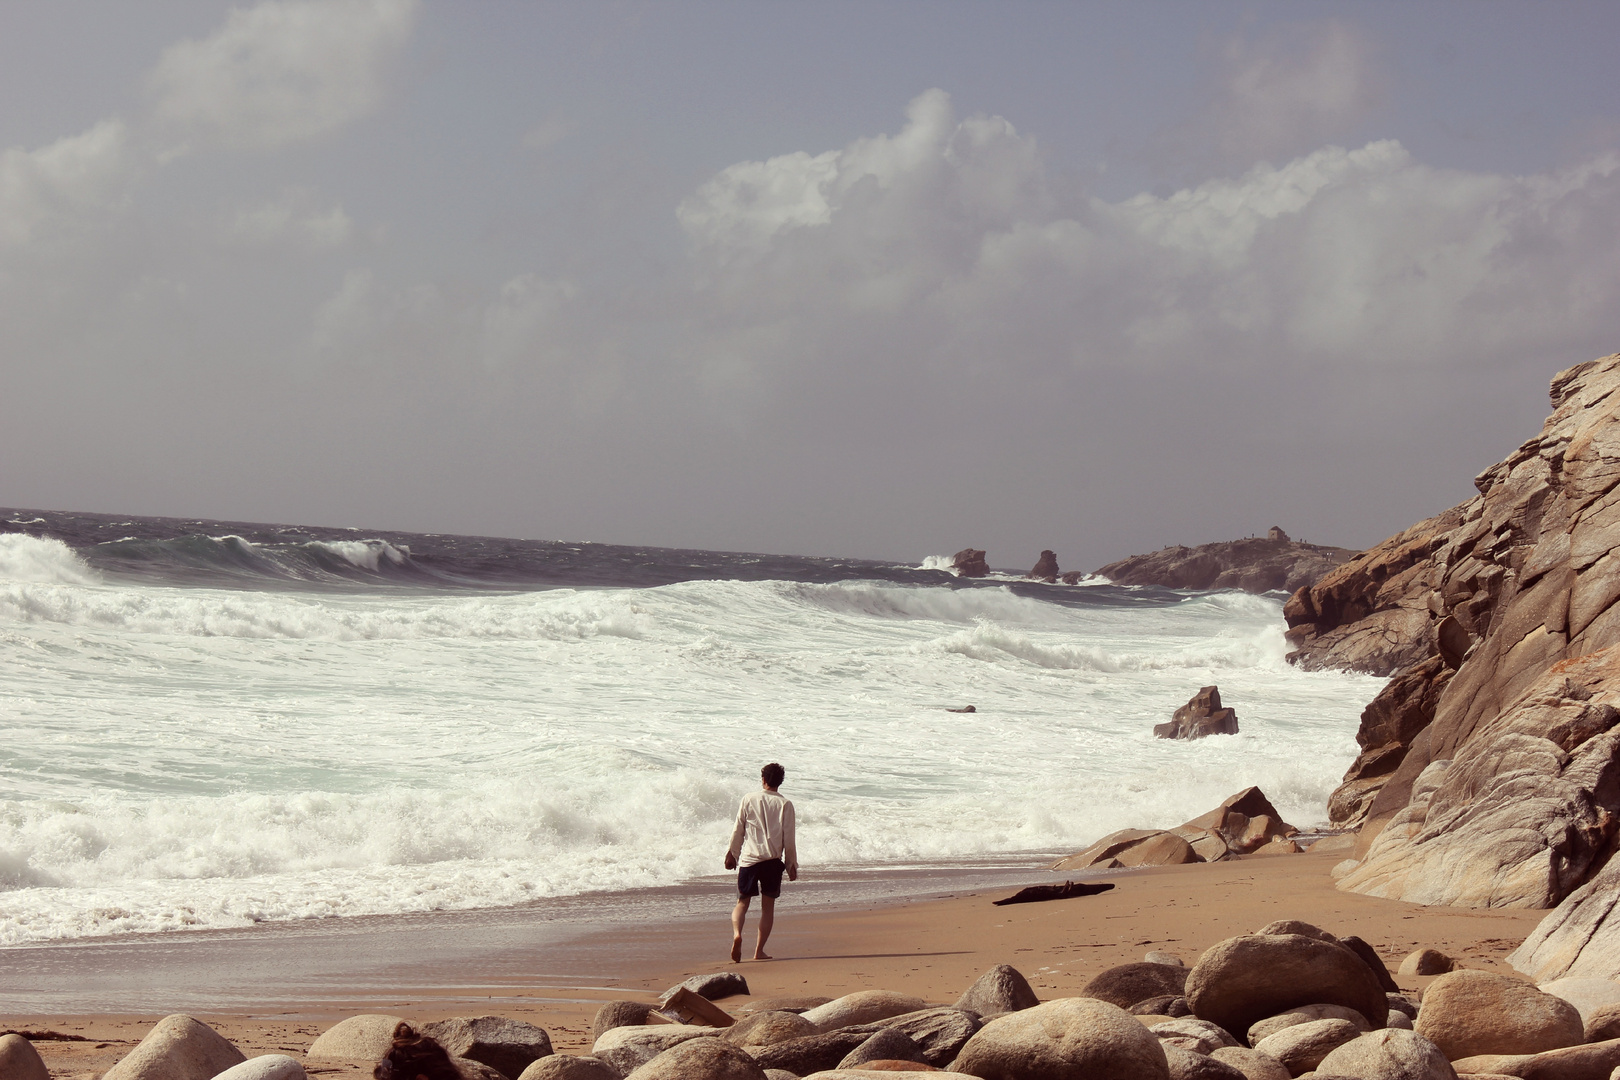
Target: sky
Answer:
pixel 876 279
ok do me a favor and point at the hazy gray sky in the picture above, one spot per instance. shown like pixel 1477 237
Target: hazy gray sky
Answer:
pixel 879 279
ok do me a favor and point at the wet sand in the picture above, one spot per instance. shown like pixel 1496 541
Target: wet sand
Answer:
pixel 274 988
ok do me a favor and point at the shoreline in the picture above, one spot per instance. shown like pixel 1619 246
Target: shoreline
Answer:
pixel 932 946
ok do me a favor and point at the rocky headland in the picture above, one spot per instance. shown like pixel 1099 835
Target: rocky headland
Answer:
pixel 1490 767
pixel 1272 564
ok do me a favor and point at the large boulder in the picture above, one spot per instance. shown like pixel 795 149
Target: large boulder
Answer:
pixel 1245 979
pixel 628 1048
pixel 366 1037
pixel 263 1067
pixel 1301 1047
pixel 1191 1033
pixel 1127 984
pixel 1131 848
pixel 862 1007
pixel 1067 1039
pixel 20 1061
pixel 507 1046
pixel 1243 823
pixel 1468 1013
pixel 886 1044
pixel 1594 1061
pixel 1390 1054
pixel 1251 1063
pixel 1305 1014
pixel 1201 716
pixel 767 1028
pixel 940 1033
pixel 813 1053
pixel 1001 989
pixel 700 1059
pixel 716 985
pixel 569 1067
pixel 1426 961
pixel 619 1014
pixel 1190 1065
pixel 177 1048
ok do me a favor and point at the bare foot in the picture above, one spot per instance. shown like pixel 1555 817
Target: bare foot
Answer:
pixel 763 956
pixel 736 950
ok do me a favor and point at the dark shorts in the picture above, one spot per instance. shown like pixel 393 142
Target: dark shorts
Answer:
pixel 763 877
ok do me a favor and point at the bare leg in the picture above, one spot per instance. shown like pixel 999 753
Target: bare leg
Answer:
pixel 767 916
pixel 738 914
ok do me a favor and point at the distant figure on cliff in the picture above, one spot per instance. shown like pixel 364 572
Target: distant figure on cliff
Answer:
pixel 761 850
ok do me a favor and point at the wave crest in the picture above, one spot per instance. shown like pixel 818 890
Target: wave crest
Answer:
pixel 41 559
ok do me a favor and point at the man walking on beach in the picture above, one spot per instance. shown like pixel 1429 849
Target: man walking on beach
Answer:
pixel 761 850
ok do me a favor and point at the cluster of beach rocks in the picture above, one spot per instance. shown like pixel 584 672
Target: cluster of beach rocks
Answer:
pixel 1287 1001
pixel 1244 824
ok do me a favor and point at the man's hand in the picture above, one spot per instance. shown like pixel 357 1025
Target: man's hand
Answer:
pixel 793 874
pixel 731 861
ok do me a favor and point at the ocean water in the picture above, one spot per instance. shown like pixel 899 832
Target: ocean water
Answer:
pixel 213 724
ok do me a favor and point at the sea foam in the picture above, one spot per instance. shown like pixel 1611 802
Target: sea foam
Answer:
pixel 187 757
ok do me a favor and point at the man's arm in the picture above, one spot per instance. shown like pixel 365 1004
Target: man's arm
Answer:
pixel 790 851
pixel 737 833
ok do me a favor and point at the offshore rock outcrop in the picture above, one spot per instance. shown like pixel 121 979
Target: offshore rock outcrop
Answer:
pixel 1200 717
pixel 1490 770
pixel 1253 565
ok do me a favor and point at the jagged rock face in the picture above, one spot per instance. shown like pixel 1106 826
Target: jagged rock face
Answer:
pixel 1046 568
pixel 1372 614
pixel 1389 723
pixel 1255 566
pixel 1509 796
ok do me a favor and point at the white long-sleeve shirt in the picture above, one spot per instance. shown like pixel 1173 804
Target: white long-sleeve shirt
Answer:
pixel 764 831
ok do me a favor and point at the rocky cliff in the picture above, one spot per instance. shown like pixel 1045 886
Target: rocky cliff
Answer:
pixel 1490 770
pixel 1253 565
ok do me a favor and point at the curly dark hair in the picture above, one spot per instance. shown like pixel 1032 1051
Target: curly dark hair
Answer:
pixel 415 1057
pixel 773 774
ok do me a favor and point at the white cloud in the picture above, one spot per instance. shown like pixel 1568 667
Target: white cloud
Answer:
pixel 281 72
pixel 60 191
pixel 1275 97
pixel 294 219
pixel 948 238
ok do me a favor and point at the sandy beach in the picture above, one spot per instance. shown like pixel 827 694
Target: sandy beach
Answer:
pixel 933 946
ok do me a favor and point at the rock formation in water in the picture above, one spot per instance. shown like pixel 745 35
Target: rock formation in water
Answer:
pixel 1201 716
pixel 1046 568
pixel 1253 565
pixel 969 562
pixel 1490 766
